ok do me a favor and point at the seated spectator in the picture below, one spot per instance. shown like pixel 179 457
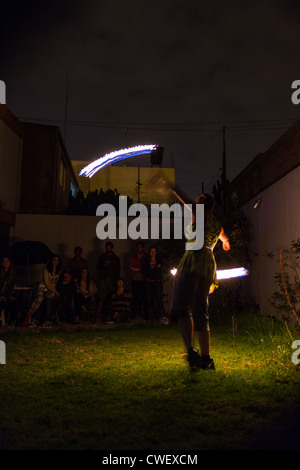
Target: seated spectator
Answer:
pixel 120 304
pixel 8 301
pixel 66 288
pixel 76 264
pixel 85 293
pixel 46 291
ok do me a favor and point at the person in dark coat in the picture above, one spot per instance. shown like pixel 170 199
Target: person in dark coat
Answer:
pixel 8 301
pixel 154 285
pixel 108 267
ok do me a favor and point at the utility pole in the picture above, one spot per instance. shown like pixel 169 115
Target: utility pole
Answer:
pixel 125 131
pixel 66 109
pixel 139 184
pixel 224 177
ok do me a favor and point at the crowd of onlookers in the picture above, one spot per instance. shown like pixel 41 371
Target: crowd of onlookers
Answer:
pixel 70 295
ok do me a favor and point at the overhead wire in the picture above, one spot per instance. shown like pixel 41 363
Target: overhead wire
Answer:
pixel 267 124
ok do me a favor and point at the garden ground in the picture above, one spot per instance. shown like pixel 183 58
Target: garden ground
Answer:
pixel 128 387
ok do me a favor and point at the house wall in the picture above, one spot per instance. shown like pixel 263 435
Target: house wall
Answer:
pixel 46 171
pixel 38 166
pixel 274 225
pixel 64 178
pixel 11 144
pixel 10 167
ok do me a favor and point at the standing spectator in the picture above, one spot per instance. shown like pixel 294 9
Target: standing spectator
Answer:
pixel 108 267
pixel 85 295
pixel 66 288
pixel 8 302
pixel 137 267
pixel 46 290
pixel 153 273
pixel 76 264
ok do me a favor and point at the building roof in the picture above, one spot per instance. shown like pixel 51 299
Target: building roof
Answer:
pixel 282 157
pixel 10 120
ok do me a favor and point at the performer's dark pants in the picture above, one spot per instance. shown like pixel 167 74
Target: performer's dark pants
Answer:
pixel 190 298
pixel 155 307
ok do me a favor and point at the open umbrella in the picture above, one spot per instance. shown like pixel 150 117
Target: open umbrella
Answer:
pixel 27 253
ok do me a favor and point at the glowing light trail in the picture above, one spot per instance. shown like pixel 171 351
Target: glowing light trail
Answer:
pixel 114 157
pixel 225 273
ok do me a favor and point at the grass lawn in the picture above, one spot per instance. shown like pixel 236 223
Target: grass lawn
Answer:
pixel 129 388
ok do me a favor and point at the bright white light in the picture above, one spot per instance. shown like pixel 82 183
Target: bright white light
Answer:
pixel 224 273
pixel 114 157
pixel 231 273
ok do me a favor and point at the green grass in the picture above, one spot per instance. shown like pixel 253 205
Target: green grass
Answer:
pixel 129 388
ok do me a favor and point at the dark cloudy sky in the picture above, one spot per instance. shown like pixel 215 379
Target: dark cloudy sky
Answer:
pixel 172 72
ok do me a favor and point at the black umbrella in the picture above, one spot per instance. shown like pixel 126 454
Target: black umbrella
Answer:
pixel 29 252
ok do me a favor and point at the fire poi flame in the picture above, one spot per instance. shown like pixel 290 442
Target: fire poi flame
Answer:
pixel 224 273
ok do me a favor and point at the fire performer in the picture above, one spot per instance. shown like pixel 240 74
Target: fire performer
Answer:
pixel 196 276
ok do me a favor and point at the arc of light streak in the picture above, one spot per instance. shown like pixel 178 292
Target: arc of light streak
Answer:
pixel 225 273
pixel 115 156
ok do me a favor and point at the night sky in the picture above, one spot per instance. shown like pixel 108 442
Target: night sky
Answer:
pixel 171 72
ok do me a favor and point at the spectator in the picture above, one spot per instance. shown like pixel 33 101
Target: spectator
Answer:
pixel 46 290
pixel 85 295
pixel 120 304
pixel 108 267
pixel 153 275
pixel 8 302
pixel 137 267
pixel 66 288
pixel 76 264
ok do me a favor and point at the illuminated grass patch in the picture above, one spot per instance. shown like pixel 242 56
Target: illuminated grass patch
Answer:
pixel 129 387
